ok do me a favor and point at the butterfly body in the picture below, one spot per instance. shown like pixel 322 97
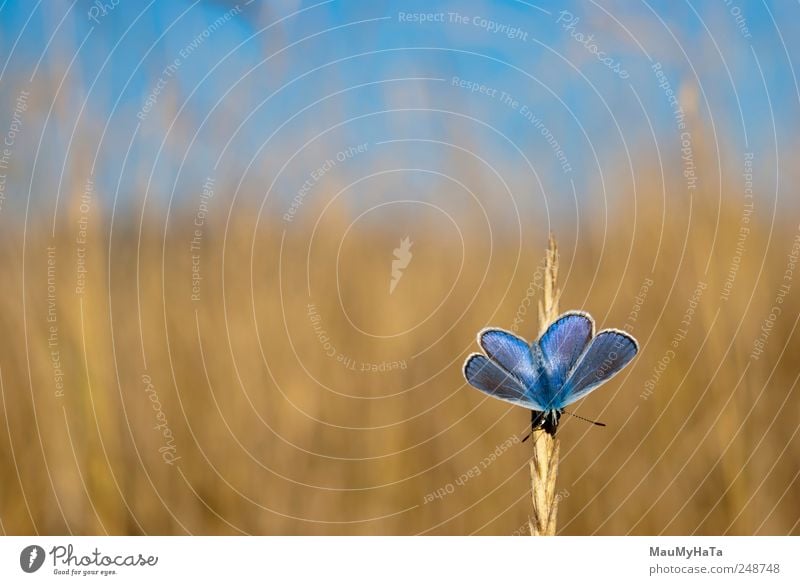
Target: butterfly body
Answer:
pixel 548 421
pixel 566 363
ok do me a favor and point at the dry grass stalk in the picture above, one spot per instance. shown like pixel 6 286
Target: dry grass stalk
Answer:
pixel 544 464
pixel 548 304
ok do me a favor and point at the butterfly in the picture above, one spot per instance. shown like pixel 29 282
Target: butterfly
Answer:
pixel 566 363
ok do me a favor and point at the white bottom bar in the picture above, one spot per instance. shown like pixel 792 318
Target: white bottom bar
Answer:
pixel 325 560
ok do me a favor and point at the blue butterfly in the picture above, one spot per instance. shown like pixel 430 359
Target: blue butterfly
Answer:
pixel 564 365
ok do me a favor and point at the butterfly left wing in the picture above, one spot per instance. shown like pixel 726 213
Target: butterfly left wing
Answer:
pixel 513 354
pixel 490 378
pixel 609 352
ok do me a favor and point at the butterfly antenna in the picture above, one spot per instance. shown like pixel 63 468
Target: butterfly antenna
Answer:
pixel 594 422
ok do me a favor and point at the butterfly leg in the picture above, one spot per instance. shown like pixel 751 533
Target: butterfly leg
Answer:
pixel 536 423
pixel 550 422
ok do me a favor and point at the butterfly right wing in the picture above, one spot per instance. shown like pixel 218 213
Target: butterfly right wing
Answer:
pixel 563 343
pixel 490 378
pixel 609 352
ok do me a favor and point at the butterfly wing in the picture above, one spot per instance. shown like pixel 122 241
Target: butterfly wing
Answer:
pixel 563 343
pixel 609 352
pixel 490 378
pixel 513 354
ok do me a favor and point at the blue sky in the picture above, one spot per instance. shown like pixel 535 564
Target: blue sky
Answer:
pixel 311 78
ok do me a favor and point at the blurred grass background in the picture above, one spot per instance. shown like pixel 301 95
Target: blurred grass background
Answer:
pixel 272 435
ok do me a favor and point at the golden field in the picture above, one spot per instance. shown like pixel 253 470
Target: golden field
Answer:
pixel 289 392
